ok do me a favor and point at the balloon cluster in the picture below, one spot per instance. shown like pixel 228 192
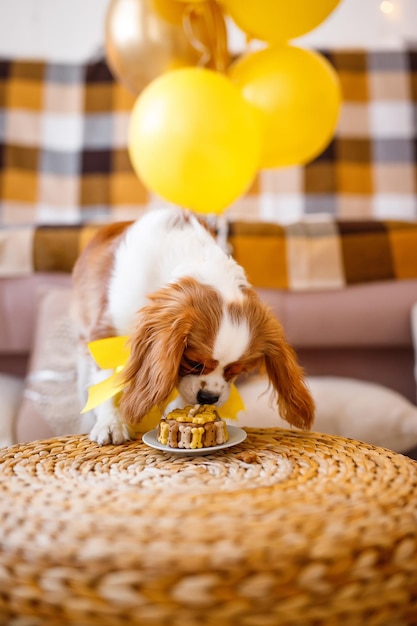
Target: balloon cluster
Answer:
pixel 202 125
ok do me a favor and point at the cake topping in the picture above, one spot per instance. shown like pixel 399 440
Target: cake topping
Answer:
pixel 197 414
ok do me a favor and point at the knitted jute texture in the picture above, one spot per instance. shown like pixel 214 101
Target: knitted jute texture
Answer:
pixel 286 528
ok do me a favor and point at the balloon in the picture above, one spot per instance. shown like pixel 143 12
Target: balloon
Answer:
pixel 194 140
pixel 145 38
pixel 278 20
pixel 169 10
pixel 297 94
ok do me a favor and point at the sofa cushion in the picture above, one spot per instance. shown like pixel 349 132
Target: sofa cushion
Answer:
pixel 50 406
pixel 344 406
pixel 18 308
pixel 11 388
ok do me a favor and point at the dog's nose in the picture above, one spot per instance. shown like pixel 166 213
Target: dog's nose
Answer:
pixel 205 397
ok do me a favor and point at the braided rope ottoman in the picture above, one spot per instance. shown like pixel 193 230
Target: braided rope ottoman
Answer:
pixel 286 528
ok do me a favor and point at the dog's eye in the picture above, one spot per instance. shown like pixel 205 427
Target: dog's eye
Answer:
pixel 188 366
pixel 197 368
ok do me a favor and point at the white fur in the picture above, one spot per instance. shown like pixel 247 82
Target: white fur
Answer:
pixel 232 340
pixel 159 249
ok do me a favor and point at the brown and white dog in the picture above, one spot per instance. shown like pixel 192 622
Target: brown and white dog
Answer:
pixel 194 322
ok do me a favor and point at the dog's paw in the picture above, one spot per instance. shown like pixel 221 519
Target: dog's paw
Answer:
pixel 115 432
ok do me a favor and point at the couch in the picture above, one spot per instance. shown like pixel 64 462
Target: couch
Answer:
pixel 352 323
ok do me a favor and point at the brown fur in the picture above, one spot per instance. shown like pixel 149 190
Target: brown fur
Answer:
pixel 166 329
pixel 90 281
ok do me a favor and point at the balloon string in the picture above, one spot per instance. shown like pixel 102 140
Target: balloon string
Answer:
pixel 220 36
pixel 196 43
pixel 215 50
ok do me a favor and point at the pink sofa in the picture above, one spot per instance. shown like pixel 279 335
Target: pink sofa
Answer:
pixel 361 331
pixel 18 315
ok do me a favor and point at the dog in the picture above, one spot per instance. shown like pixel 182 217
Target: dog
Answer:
pixel 194 322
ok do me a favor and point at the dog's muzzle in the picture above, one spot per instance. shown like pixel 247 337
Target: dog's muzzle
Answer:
pixel 205 397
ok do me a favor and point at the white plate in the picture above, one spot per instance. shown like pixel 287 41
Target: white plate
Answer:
pixel 236 435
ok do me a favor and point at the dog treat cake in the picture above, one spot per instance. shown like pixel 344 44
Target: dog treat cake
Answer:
pixel 193 427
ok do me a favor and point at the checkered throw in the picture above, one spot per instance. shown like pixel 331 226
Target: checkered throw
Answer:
pixel 63 137
pixel 324 254
pixel 63 156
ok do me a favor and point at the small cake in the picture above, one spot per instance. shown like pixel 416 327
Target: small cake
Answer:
pixel 193 427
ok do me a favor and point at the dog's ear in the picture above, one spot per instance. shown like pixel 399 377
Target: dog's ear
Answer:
pixel 157 345
pixel 294 400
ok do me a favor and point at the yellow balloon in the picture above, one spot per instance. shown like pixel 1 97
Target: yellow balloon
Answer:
pixel 297 94
pixel 278 20
pixel 194 140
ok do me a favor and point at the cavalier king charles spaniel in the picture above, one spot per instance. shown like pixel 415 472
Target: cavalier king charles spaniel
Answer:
pixel 194 322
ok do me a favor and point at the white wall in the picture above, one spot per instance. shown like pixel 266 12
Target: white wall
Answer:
pixel 362 23
pixel 73 30
pixel 59 30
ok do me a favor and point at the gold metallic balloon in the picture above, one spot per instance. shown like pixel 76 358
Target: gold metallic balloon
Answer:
pixel 145 38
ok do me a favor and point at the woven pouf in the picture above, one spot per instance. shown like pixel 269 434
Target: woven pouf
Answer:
pixel 286 528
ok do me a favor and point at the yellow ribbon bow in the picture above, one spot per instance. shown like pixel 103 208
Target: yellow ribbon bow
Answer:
pixel 112 353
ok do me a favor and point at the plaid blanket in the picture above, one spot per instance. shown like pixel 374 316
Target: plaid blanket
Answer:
pixel 63 156
pixel 63 144
pixel 321 254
